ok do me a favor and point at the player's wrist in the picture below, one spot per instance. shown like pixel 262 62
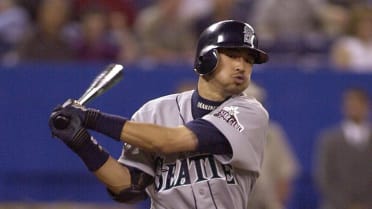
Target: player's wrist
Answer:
pixel 78 140
pixel 108 124
pixel 90 152
pixel 90 118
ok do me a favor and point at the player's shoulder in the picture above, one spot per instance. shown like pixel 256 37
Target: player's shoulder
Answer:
pixel 246 101
pixel 249 106
pixel 164 101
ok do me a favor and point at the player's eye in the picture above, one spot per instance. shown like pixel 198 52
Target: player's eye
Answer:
pixel 236 53
pixel 249 59
pixel 232 53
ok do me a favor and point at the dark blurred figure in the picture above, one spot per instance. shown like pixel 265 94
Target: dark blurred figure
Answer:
pixel 105 30
pixel 125 8
pixel 343 156
pixel 121 33
pixel 93 43
pixel 47 41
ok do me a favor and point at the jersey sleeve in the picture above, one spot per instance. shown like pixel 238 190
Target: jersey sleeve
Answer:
pixel 244 122
pixel 133 156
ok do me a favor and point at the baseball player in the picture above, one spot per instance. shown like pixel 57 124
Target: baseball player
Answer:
pixel 198 149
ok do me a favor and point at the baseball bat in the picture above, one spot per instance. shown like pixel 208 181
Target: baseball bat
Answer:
pixel 110 76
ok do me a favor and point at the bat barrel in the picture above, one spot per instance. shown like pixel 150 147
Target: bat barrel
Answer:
pixel 104 81
pixel 109 77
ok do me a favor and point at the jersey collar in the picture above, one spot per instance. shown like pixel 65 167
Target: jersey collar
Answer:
pixel 201 106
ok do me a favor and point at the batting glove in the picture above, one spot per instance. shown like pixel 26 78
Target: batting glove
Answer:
pixel 88 116
pixel 79 140
pixel 73 135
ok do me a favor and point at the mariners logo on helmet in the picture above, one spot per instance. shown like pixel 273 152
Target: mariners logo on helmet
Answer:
pixel 249 35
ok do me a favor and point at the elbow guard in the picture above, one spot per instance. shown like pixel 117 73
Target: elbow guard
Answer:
pixel 136 192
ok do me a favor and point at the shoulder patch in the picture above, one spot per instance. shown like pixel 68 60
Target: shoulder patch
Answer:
pixel 230 116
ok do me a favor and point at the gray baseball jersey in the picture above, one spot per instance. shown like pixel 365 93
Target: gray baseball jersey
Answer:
pixel 201 180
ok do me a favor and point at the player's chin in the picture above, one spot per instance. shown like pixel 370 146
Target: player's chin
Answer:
pixel 237 88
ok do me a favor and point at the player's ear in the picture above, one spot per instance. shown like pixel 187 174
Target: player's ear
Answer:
pixel 207 62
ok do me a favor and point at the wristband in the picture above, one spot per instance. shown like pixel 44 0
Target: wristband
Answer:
pixel 89 151
pixel 110 125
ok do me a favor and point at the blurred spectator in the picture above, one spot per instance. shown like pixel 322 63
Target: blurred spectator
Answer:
pixel 31 6
pixel 198 13
pixel 47 41
pixel 353 51
pixel 343 156
pixel 105 30
pixel 14 22
pixel 155 28
pixel 349 3
pixel 220 10
pixel 286 19
pixel 280 166
pixel 122 35
pixel 291 30
pixel 335 20
pixel 93 42
pixel 125 8
pixel 206 12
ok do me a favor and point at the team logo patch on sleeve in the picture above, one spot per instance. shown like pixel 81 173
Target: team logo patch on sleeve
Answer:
pixel 230 116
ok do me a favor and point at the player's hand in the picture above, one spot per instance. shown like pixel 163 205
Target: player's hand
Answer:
pixel 88 116
pixel 74 135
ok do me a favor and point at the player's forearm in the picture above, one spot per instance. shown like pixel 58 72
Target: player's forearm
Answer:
pixel 145 136
pixel 114 176
pixel 158 138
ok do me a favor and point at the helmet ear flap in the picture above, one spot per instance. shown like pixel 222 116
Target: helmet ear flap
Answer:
pixel 207 62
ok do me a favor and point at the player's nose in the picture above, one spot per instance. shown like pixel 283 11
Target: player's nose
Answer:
pixel 239 64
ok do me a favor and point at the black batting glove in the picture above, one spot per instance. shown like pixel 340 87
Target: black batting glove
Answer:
pixel 74 135
pixel 107 124
pixel 88 116
pixel 77 138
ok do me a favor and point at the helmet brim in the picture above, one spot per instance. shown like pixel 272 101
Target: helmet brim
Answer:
pixel 259 55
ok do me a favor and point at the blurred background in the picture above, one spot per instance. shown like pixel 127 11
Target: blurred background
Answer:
pixel 50 50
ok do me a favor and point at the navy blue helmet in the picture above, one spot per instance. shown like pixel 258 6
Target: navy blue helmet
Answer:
pixel 225 34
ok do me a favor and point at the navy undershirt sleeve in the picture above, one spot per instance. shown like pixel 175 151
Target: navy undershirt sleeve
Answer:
pixel 210 139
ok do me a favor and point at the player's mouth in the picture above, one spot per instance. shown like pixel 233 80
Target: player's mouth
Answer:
pixel 239 79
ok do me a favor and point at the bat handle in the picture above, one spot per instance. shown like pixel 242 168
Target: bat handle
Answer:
pixel 61 122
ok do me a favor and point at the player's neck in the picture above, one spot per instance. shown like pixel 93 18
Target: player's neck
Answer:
pixel 207 92
pixel 201 106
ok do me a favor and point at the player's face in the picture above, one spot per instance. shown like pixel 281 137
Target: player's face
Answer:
pixel 233 72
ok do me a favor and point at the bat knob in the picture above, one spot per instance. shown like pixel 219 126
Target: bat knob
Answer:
pixel 61 122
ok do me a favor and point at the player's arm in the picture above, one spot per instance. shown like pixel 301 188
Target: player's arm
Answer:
pixel 113 175
pixel 157 138
pixel 125 184
pixel 198 135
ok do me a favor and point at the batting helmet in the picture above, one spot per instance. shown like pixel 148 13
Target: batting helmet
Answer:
pixel 225 34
